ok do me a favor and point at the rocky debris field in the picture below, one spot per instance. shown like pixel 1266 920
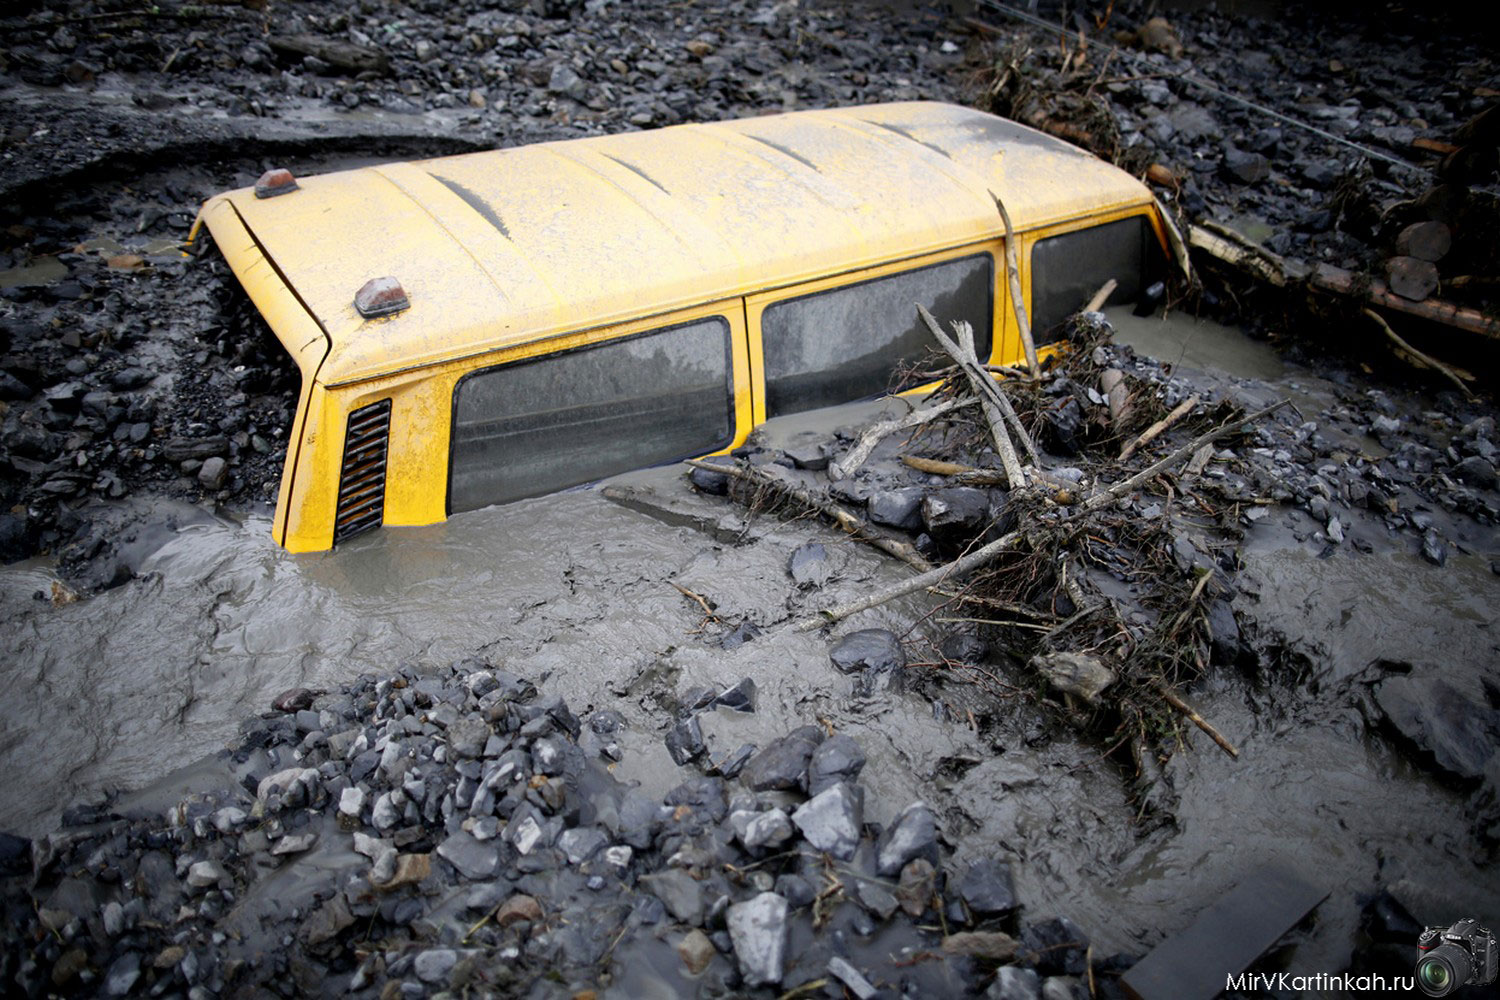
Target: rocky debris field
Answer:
pixel 450 833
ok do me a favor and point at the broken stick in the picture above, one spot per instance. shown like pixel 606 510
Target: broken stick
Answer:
pixel 1150 472
pixel 853 525
pixel 1018 302
pixel 958 567
pixel 1101 296
pixel 1425 359
pixel 1151 433
pixel 1171 698
pixel 875 433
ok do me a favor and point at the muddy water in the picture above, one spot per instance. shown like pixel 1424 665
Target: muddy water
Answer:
pixel 576 591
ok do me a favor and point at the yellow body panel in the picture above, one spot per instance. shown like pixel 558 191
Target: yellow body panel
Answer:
pixel 512 253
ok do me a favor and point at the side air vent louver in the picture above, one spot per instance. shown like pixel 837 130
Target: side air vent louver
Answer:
pixel 362 482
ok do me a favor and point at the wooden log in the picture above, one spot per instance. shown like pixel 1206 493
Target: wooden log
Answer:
pixel 1424 359
pixel 1112 384
pixel 1411 278
pixel 992 413
pixel 1428 240
pixel 1101 296
pixel 845 519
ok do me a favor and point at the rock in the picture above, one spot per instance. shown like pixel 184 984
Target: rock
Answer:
pixel 385 815
pixel 1335 531
pixel 566 82
pixel 739 698
pixel 1014 983
pixel 122 974
pixel 352 801
pixel 875 649
pixel 206 874
pixel 1434 549
pixel 992 946
pixel 696 951
pixel 410 869
pixel 832 821
pixel 812 457
pixel 1456 733
pixel 1055 947
pixel 326 922
pixel 581 843
pixel 838 758
pixel 679 892
pixel 292 783
pixel 517 908
pixel 875 898
pixel 473 858
pixel 337 53
pixel 685 741
pixel 1476 472
pixel 1075 673
pixel 714 483
pixel 851 977
pixel 913 835
pixel 955 513
pixel 294 700
pixel 758 929
pixel 1411 278
pixel 1247 168
pixel 732 762
pixel 783 762
pixel 770 829
pixel 212 472
pixel 468 736
pixel 1064 988
pixel 434 965
pixel 915 887
pixel 965 648
pixel 808 565
pixel 294 844
pixel 898 508
pixel 985 886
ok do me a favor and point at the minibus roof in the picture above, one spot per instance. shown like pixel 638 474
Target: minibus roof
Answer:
pixel 503 247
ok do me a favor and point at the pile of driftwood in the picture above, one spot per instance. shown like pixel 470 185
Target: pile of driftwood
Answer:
pixel 1119 670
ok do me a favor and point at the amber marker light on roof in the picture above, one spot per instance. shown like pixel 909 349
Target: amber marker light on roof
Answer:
pixel 275 182
pixel 380 297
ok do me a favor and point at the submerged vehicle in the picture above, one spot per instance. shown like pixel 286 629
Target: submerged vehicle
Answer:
pixel 481 328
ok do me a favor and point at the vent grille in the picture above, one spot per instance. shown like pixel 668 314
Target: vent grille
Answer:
pixel 362 482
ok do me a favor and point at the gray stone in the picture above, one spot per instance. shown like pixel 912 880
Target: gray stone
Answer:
pixel 1457 733
pixel 295 843
pixel 435 965
pixel 757 929
pixel 696 951
pixel 851 977
pixel 986 887
pixel 204 874
pixel 955 512
pixel 212 473
pixel 770 829
pixel 1191 121
pixel 838 758
pixel 831 821
pixel 229 819
pixel 739 698
pixel 1434 549
pixel 581 843
pixel 122 974
pixel 113 916
pixel 679 892
pixel 1077 674
pixel 1247 168
pixel 326 922
pixel 783 762
pixel 875 897
pixel 685 741
pixel 468 736
pixel 1014 983
pixel 868 649
pixel 385 815
pixel 288 782
pixel 1476 472
pixel 473 859
pixel 566 81
pixel 351 801
pixel 913 835
pixel 808 565
pixel 898 508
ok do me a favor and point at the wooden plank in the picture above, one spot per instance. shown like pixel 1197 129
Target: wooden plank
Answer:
pixel 1196 963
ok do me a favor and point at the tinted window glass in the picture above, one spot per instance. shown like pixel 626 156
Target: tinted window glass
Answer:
pixel 536 426
pixel 1067 270
pixel 843 344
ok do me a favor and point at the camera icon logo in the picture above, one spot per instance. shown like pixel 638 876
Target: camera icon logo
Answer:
pixel 1461 955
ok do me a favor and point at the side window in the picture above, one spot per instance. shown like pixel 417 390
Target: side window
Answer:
pixel 540 425
pixel 1066 270
pixel 843 344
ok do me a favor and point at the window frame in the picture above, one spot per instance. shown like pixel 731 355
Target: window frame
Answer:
pixel 756 303
pixel 724 312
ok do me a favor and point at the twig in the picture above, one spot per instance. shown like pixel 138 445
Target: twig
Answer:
pixel 1018 303
pixel 1154 431
pixel 846 520
pixel 708 612
pixel 875 433
pixel 921 581
pixel 978 379
pixel 1155 469
pixel 991 621
pixel 1426 359
pixel 965 474
pixel 1172 699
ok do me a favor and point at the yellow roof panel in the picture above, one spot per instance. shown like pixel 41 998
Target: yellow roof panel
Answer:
pixel 506 246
